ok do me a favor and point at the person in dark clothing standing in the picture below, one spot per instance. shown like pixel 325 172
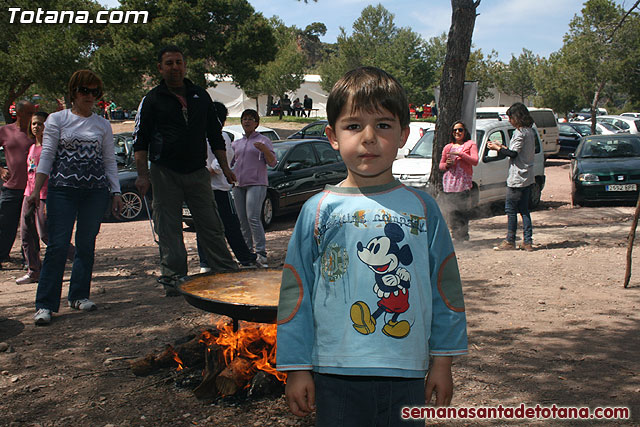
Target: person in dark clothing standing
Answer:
pixel 226 207
pixel 174 122
pixel 307 103
pixel 16 142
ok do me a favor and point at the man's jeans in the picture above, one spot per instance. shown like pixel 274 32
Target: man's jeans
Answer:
pixel 248 202
pixel 64 206
pixel 518 202
pixel 10 207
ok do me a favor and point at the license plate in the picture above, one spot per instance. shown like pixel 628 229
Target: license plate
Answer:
pixel 621 187
pixel 186 212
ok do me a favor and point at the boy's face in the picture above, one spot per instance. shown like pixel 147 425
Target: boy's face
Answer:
pixel 368 144
pixel 249 124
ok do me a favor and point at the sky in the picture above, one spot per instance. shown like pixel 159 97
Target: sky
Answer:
pixel 506 26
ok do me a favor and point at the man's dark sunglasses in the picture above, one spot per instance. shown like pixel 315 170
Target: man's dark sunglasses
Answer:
pixel 86 91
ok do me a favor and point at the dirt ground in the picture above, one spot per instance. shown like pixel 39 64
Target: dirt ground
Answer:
pixel 554 326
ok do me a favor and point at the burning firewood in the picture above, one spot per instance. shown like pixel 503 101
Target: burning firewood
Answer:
pixel 151 362
pixel 212 367
pixel 230 358
pixel 190 353
pixel 235 376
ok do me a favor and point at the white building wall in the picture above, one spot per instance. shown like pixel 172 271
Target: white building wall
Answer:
pixel 500 99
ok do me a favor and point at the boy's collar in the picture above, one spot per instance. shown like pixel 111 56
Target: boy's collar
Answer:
pixel 364 190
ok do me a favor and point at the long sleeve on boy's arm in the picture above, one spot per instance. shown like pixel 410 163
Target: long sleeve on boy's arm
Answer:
pixel 295 314
pixel 449 324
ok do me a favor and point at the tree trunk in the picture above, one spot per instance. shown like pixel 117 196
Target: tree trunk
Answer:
pixel 594 106
pixel 630 239
pixel 463 19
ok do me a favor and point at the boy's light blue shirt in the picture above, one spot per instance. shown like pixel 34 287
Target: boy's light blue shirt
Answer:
pixel 341 257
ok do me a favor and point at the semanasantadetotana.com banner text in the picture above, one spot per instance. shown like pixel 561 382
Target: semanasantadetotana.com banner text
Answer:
pixel 42 16
pixel 517 412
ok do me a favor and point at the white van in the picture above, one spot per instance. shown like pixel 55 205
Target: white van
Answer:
pixel 544 119
pixel 547 126
pixel 416 130
pixel 489 176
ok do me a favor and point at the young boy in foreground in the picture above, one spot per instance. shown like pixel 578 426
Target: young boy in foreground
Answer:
pixel 370 286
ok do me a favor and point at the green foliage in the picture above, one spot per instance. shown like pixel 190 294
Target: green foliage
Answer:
pixel 517 79
pixel 46 54
pixel 310 45
pixel 217 36
pixel 554 86
pixel 483 70
pixel 377 41
pixel 286 72
pixel 591 55
pixel 479 68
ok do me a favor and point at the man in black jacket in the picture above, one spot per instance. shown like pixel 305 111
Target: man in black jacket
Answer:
pixel 175 120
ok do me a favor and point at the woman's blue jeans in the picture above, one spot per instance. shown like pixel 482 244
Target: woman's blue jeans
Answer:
pixel 65 205
pixel 248 201
pixel 518 202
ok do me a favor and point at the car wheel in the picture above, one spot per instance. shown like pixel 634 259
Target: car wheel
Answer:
pixel 131 206
pixel 536 194
pixel 267 211
pixel 576 201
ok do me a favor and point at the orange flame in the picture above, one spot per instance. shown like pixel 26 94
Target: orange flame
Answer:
pixel 256 343
pixel 177 360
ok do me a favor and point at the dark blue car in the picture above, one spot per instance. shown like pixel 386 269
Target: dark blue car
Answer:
pixel 606 168
pixel 304 167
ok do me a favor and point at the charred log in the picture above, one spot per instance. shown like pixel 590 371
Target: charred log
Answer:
pixel 234 377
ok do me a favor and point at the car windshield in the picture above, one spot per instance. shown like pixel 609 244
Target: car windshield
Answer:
pixel 270 134
pixel 424 146
pixel 610 148
pixel 280 151
pixel 610 127
pixel 566 129
pixel 583 129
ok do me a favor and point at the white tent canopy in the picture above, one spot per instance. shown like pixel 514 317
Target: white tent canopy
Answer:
pixel 237 101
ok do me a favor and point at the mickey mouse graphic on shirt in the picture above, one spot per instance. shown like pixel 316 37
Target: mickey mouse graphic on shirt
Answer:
pixel 392 282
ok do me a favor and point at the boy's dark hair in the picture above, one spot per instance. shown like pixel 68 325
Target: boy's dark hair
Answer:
pixel 42 114
pixel 250 112
pixel 221 112
pixel 520 116
pixel 467 135
pixel 368 89
pixel 171 48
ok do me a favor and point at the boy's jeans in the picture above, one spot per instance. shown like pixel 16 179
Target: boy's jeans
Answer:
pixel 518 201
pixel 64 206
pixel 355 401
